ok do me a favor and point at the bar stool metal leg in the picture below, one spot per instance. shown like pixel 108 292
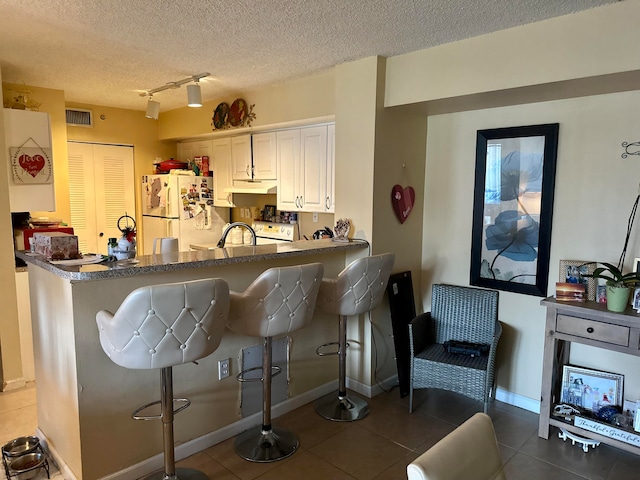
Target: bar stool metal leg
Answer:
pixel 265 443
pixel 166 400
pixel 341 407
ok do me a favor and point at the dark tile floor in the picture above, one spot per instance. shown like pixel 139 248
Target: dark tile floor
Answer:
pixel 380 446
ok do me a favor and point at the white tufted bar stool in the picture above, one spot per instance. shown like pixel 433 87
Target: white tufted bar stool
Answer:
pixel 279 301
pixel 357 289
pixel 158 327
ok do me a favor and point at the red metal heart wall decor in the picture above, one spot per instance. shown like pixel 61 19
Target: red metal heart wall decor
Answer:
pixel 402 200
pixel 32 165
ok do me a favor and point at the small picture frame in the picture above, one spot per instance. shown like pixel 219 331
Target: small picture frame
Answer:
pixel 636 299
pixel 591 389
pixel 601 294
pixel 574 271
pixel 269 213
pixel 636 264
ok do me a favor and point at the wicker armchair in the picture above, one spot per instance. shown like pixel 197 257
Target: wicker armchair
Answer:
pixel 457 313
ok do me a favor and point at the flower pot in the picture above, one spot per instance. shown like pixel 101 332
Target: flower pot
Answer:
pixel 617 298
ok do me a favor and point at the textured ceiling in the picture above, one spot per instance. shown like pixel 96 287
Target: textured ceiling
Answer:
pixel 104 52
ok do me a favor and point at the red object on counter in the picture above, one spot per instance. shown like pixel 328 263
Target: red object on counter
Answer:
pixel 171 164
pixel 204 169
pixel 22 235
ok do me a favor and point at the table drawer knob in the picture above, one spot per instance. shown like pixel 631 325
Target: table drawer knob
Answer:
pixel 590 330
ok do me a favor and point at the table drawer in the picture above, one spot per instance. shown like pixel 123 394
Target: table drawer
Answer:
pixel 598 331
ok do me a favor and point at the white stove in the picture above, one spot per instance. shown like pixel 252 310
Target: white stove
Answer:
pixel 268 232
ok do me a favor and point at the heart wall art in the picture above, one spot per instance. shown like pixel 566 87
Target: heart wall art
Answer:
pixel 402 200
pixel 31 165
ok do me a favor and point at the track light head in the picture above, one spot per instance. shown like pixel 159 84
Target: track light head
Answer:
pixel 194 96
pixel 153 109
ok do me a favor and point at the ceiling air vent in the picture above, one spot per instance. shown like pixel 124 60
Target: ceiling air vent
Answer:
pixel 79 118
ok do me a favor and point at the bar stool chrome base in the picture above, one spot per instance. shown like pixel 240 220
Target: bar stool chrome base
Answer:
pixel 259 445
pixel 181 474
pixel 341 408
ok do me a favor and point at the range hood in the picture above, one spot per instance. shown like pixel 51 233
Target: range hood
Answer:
pixel 256 187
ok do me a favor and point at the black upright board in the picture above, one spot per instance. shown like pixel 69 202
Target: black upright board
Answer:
pixel 403 310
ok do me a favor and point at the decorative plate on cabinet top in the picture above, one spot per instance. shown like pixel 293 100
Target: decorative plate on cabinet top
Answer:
pixel 238 112
pixel 220 115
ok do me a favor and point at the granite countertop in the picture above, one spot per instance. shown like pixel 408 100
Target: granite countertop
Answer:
pixel 145 264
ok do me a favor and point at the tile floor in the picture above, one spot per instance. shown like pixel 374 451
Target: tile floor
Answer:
pixel 380 446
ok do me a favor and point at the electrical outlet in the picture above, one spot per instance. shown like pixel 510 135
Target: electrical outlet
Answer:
pixel 223 368
pixel 315 217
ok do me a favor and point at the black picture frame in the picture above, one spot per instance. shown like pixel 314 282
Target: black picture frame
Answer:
pixel 513 208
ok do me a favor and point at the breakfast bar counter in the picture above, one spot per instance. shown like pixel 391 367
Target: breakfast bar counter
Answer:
pixel 85 400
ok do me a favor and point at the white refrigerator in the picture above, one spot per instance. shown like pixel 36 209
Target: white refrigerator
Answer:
pixel 180 206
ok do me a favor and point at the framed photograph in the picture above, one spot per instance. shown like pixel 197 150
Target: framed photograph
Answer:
pixel 513 207
pixel 269 212
pixel 636 264
pixel 636 299
pixel 574 271
pixel 601 294
pixel 591 389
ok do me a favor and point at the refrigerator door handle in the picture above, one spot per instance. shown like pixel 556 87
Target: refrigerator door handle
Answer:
pixel 168 201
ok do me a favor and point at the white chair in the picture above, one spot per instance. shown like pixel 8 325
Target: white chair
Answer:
pixel 357 289
pixel 279 301
pixel 469 452
pixel 158 327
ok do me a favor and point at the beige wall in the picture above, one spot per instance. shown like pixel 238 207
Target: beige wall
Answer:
pixel 595 190
pixel 506 79
pixel 125 127
pixel 301 99
pixel 10 365
pixel 52 102
pixel 594 42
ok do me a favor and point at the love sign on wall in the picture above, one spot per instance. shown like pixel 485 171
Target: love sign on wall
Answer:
pixel 402 200
pixel 31 165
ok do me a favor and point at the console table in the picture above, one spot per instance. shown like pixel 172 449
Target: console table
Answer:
pixel 588 323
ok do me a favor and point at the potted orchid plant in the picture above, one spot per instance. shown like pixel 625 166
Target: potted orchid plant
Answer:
pixel 618 285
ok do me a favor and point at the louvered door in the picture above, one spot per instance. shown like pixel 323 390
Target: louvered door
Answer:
pixel 101 190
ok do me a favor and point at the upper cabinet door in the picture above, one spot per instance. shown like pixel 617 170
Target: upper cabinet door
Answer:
pixel 330 200
pixel 241 157
pixel 263 146
pixel 314 164
pixel 288 154
pixel 220 164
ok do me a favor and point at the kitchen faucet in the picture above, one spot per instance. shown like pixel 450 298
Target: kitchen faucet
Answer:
pixel 237 224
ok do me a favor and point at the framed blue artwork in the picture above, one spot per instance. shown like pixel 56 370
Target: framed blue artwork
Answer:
pixel 513 208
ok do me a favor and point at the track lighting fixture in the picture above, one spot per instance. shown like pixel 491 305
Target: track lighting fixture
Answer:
pixel 194 95
pixel 153 109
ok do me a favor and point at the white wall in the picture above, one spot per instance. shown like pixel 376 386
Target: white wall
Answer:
pixel 595 190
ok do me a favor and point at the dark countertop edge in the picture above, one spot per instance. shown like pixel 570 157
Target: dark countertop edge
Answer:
pixel 269 252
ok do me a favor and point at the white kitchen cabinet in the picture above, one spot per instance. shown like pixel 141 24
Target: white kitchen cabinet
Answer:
pixel 219 153
pixel 264 160
pixel 241 157
pixel 220 165
pixel 31 179
pixel 254 156
pixel 188 150
pixel 289 174
pixel 101 190
pixel 330 199
pixel 305 169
